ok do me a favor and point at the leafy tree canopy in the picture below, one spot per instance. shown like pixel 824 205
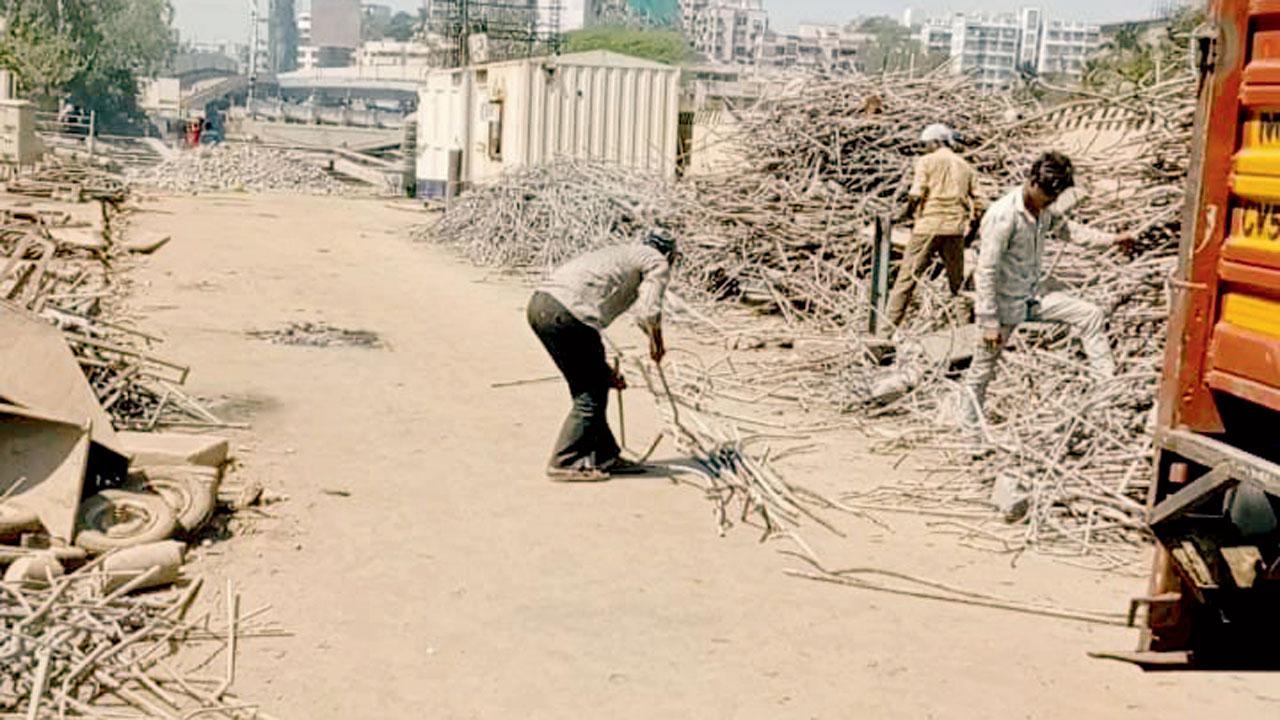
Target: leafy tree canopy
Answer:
pixel 664 46
pixel 89 51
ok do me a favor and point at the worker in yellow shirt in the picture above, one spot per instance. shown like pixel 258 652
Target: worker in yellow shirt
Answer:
pixel 943 203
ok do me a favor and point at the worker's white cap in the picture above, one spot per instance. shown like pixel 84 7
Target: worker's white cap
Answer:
pixel 938 133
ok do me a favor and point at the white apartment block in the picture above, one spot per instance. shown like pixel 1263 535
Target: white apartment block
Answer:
pixel 816 46
pixel 726 31
pixel 994 49
pixel 308 57
pixel 987 48
pixel 935 37
pixel 390 53
pixel 1065 48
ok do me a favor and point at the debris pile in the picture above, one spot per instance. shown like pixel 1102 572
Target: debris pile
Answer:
pixel 62 262
pixel 75 374
pixel 319 334
pixel 787 234
pixel 85 644
pixel 240 168
pixel 534 219
pixel 72 183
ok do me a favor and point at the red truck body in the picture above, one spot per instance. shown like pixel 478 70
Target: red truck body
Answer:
pixel 1215 505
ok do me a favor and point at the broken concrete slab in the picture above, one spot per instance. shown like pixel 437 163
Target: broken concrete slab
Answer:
pixel 42 466
pixel 1011 498
pixel 144 449
pixel 951 346
pixel 38 372
pixel 79 238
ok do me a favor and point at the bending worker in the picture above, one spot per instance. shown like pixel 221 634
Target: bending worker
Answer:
pixel 943 202
pixel 1009 275
pixel 568 313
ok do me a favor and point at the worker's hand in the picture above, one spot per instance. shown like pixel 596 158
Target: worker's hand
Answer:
pixel 657 348
pixel 618 381
pixel 992 338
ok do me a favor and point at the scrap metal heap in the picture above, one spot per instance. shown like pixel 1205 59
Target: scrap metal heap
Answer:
pixel 1066 459
pixel 79 490
pixel 67 268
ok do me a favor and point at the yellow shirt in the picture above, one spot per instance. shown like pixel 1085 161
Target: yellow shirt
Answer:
pixel 946 183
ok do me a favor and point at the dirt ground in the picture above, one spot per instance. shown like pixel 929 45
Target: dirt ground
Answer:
pixel 428 570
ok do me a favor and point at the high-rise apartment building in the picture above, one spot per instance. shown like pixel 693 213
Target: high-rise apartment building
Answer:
pixel 994 49
pixel 726 31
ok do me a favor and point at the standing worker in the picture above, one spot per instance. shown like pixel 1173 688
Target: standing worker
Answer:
pixel 1009 276
pixel 568 313
pixel 943 202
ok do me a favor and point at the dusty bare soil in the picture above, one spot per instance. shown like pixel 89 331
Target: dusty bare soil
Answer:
pixel 428 570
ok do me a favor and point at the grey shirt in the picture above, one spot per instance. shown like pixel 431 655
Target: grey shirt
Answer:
pixel 1011 256
pixel 601 285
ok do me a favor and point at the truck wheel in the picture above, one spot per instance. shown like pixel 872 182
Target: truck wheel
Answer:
pixel 15 520
pixel 115 519
pixel 191 496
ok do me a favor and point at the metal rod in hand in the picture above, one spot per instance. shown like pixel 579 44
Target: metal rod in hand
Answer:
pixel 622 415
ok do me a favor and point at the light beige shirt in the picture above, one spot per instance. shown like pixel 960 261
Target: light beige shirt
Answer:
pixel 601 285
pixel 946 183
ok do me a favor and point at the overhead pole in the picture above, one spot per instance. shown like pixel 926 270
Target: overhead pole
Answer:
pixel 254 40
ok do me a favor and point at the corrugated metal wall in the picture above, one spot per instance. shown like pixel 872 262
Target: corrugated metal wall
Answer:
pixel 440 115
pixel 623 115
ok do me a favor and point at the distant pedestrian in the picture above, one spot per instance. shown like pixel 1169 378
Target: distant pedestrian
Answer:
pixel 568 313
pixel 943 204
pixel 1009 277
pixel 195 128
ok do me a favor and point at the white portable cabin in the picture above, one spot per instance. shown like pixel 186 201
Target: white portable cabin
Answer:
pixel 478 122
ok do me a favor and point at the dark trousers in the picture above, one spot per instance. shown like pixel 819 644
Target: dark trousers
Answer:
pixel 585 441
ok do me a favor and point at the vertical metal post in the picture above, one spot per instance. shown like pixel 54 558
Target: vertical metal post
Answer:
pixel 93 131
pixel 253 52
pixel 880 254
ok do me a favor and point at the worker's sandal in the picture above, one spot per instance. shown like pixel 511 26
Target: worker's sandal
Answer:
pixel 577 475
pixel 623 466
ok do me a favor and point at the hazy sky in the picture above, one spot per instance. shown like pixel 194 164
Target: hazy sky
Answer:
pixel 210 20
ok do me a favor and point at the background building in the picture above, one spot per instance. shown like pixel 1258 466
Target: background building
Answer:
pixel 282 36
pixel 726 31
pixel 995 49
pixel 1065 47
pixel 816 46
pixel 391 53
pixel 336 23
pixel 934 37
pixel 987 48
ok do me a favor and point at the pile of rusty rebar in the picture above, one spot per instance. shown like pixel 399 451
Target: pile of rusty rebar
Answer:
pixel 83 645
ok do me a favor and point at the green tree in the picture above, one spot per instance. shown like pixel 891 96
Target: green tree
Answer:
pixel 1134 57
pixel 91 51
pixel 893 49
pixel 664 46
pixel 403 27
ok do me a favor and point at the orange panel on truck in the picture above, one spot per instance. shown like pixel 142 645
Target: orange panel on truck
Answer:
pixel 1242 356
